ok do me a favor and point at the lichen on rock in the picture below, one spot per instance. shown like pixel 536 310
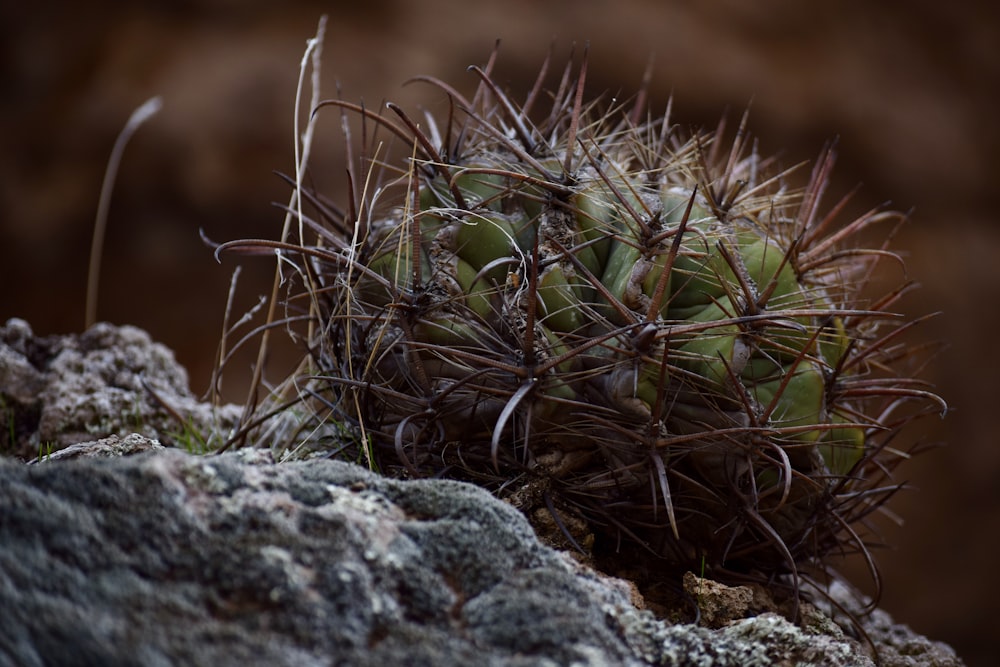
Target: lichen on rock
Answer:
pixel 168 558
pixel 109 380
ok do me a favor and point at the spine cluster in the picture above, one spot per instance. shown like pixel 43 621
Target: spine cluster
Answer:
pixel 651 328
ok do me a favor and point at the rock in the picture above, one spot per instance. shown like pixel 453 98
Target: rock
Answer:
pixel 898 645
pixel 718 604
pixel 60 390
pixel 167 558
pixel 109 447
pixel 121 551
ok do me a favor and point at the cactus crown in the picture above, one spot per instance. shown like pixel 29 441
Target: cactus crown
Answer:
pixel 587 310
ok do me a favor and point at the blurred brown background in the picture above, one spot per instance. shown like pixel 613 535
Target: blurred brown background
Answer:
pixel 910 89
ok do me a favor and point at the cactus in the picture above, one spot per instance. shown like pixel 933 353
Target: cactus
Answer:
pixel 588 310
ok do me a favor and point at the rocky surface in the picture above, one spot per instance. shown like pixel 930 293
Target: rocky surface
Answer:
pixel 167 558
pixel 121 551
pixel 60 390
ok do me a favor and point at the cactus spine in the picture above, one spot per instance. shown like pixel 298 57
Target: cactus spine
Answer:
pixel 588 308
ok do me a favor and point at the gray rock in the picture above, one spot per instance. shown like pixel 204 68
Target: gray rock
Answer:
pixel 109 447
pixel 109 380
pixel 898 645
pixel 164 558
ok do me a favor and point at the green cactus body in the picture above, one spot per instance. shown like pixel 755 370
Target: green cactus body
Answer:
pixel 595 291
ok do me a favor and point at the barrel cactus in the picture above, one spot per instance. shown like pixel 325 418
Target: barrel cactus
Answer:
pixel 590 311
